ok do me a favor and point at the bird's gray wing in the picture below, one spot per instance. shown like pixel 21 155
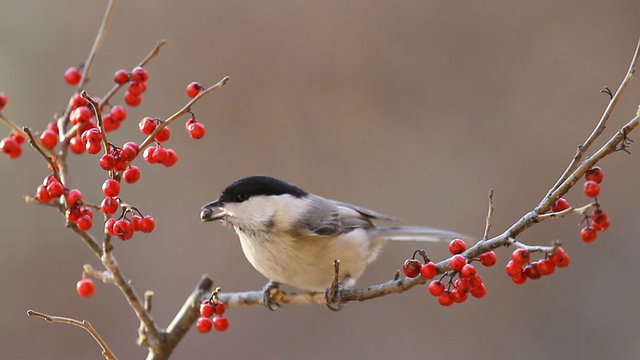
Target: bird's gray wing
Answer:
pixel 330 218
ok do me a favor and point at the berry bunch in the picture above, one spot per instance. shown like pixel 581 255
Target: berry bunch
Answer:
pixel 598 221
pixel 520 268
pixel 12 145
pixel 453 290
pixel 211 315
pixel 131 221
pixel 137 84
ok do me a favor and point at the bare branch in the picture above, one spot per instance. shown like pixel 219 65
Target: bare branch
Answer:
pixel 108 354
pixel 487 227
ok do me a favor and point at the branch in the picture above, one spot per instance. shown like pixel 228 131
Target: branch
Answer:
pixel 106 352
pixel 582 149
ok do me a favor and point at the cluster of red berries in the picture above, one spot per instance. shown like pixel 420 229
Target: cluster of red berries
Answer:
pixel 458 290
pixel 125 227
pixel 520 268
pixel 137 80
pixel 85 287
pixel 207 320
pixel 598 221
pixel 12 145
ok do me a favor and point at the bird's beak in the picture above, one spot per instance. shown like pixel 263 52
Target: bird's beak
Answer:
pixel 213 211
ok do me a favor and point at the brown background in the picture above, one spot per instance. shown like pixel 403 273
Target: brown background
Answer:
pixel 413 108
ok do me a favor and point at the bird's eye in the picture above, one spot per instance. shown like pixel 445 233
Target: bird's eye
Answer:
pixel 240 198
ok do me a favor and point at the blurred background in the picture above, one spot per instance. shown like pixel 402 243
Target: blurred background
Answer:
pixel 415 109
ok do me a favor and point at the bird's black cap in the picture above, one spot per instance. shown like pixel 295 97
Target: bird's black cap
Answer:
pixel 243 189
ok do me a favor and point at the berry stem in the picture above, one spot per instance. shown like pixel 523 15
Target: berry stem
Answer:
pixel 96 109
pixel 38 146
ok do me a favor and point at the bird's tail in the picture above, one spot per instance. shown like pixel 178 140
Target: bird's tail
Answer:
pixel 416 233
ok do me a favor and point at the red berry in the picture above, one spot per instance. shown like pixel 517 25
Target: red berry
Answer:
pixel 206 309
pixel 428 270
pixel 457 246
pixel 219 308
pixel 411 267
pixel 107 162
pixel 85 287
pixel 108 226
pixel 488 259
pixel 136 89
pixel 49 139
pixel 468 271
pixel 17 137
pixel 42 194
pixel 147 224
pixel 11 147
pixel 519 278
pixel 513 268
pixel 77 145
pixel 457 262
pixel 111 187
pixel 84 223
pixel 561 204
pixel 72 76
pixel 72 214
pixel 109 205
pixel 163 135
pixel 204 324
pixel 462 285
pixel 147 125
pixel 591 188
pixel 594 174
pixel 459 296
pixel 159 155
pixel 436 288
pixel 93 147
pixel 479 292
pixel 546 267
pixel 532 271
pixel 55 189
pixel 521 256
pixel 122 229
pixel 86 211
pixel 77 101
pixel 129 151
pixel 446 299
pixel 139 74
pixel 3 100
pixel 221 323
pixel 53 126
pixel 170 158
pixel 135 222
pixel 121 77
pixel 475 281
pixel 92 135
pixel 196 130
pixel 563 262
pixel 131 175
pixel 588 234
pixel 81 114
pixel 132 100
pixel 118 113
pixel 193 89
pixel 148 153
pixel 73 196
pixel 600 216
pixel 601 226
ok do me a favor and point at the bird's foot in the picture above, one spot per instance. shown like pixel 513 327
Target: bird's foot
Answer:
pixel 270 294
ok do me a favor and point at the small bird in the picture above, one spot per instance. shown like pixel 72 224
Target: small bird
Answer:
pixel 292 236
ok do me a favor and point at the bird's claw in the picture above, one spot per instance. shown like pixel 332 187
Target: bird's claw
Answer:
pixel 269 297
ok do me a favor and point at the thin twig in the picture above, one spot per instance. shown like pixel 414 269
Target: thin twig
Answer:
pixel 142 334
pixel 487 227
pixel 106 352
pixel 185 109
pixel 41 150
pixel 582 149
pixel 12 125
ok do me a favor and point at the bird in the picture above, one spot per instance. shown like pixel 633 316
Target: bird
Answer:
pixel 292 236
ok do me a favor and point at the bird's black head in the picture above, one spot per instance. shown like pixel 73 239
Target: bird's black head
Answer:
pixel 243 189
